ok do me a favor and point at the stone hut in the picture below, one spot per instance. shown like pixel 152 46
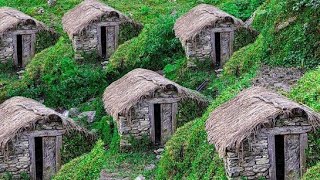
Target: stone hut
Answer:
pixel 17 36
pixel 144 103
pixel 94 27
pixel 207 33
pixel 31 138
pixel 261 134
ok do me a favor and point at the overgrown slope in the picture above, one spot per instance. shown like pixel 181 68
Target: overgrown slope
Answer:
pixel 285 46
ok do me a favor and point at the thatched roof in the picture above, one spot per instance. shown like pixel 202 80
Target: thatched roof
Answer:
pixel 122 94
pixel 253 109
pixel 11 18
pixel 19 114
pixel 86 13
pixel 201 17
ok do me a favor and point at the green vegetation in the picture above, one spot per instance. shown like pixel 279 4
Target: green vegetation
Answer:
pixel 312 173
pixel 307 91
pixel 288 37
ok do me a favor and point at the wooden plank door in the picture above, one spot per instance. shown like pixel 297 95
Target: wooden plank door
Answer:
pixel 49 157
pixel 292 156
pixel 27 48
pixel 112 33
pixel 226 47
pixel 166 122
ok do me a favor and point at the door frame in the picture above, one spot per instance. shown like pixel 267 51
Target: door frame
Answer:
pixel 213 44
pixel 174 102
pixel 116 38
pixel 293 130
pixel 45 133
pixel 15 45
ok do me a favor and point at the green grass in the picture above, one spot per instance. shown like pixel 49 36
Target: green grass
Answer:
pixel 312 173
pixel 89 166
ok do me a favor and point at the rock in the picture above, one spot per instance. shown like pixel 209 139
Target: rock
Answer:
pixel 89 116
pixel 159 151
pixel 158 156
pixel 52 2
pixel 140 177
pixel 65 113
pixel 74 112
pixel 150 167
pixel 105 63
pixel 40 10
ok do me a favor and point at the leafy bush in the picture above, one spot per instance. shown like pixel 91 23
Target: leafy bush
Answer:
pixel 153 48
pixel 307 91
pixel 74 145
pixel 312 173
pixel 290 33
pixel 53 75
pixel 84 167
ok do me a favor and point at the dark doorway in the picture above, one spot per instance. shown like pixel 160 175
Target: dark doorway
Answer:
pixel 19 50
pixel 39 157
pixel 218 49
pixel 157 123
pixel 104 41
pixel 280 160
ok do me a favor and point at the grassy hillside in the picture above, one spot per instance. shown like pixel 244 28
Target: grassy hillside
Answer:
pixel 288 37
pixel 271 48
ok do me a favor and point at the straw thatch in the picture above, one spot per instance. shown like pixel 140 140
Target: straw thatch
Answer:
pixel 251 110
pixel 201 17
pixel 19 114
pixel 86 13
pixel 11 18
pixel 138 84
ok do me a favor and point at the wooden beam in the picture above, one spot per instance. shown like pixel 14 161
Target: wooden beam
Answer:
pixel 151 118
pixel 32 158
pixel 58 152
pixel 46 133
pixel 287 130
pixel 213 49
pixel 222 29
pixel 24 32
pixel 174 116
pixel 163 100
pixel 272 157
pixel 303 147
pixel 109 23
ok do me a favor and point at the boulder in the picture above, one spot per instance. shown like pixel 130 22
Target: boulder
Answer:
pixel 89 116
pixel 74 112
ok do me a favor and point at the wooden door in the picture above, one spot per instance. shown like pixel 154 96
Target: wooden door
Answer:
pixel 226 46
pixel 111 40
pixel 166 122
pixel 49 157
pixel 292 156
pixel 26 48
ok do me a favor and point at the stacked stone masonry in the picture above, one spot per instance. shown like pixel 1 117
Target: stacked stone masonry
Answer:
pixel 253 161
pixel 88 41
pixel 7 44
pixel 17 160
pixel 137 123
pixel 202 47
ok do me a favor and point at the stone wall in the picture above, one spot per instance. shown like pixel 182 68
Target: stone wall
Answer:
pixel 7 44
pixel 200 49
pixel 6 48
pixel 253 160
pixel 17 161
pixel 137 127
pixel 139 124
pixel 88 41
